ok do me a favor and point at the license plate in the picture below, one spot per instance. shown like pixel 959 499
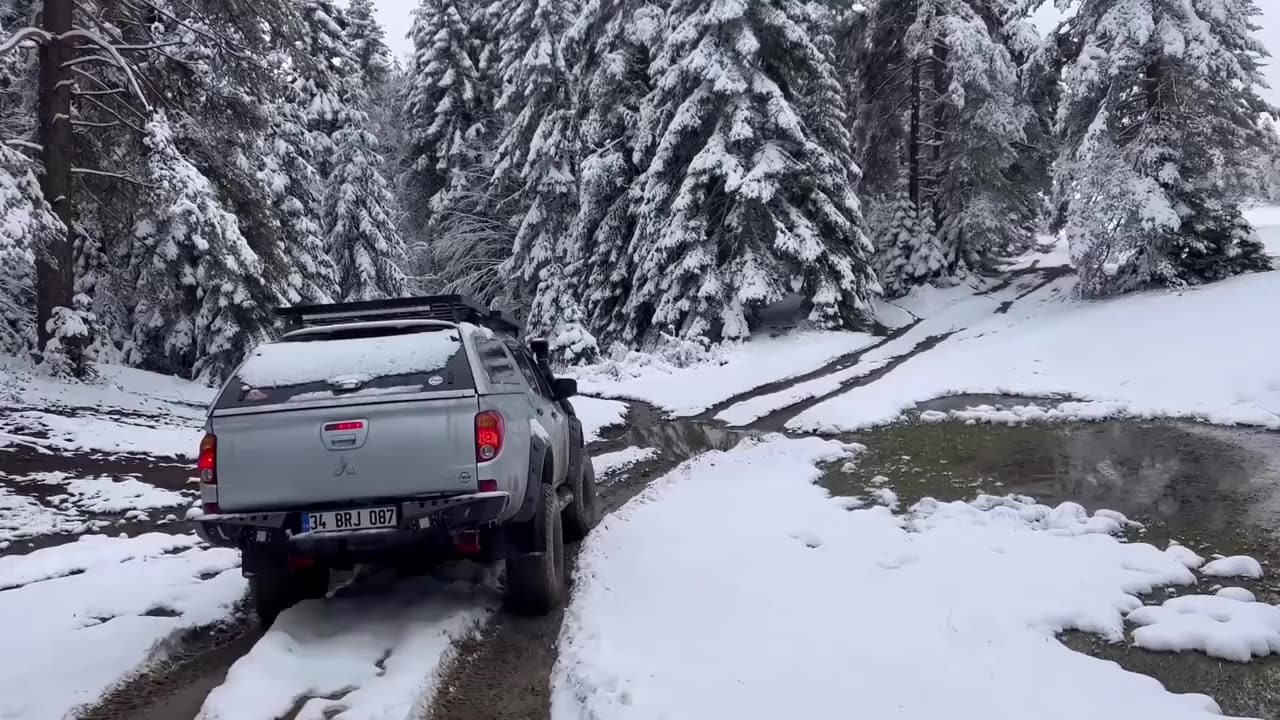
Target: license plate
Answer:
pixel 338 520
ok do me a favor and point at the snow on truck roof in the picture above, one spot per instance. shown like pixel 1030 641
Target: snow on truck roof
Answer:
pixel 389 324
pixel 412 347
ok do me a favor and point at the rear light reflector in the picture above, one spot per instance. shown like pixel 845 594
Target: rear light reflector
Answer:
pixel 487 486
pixel 467 542
pixel 210 508
pixel 489 432
pixel 207 461
pixel 348 425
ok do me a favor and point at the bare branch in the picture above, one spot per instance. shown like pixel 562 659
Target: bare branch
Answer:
pixel 87 123
pixel 114 176
pixel 117 115
pixel 152 46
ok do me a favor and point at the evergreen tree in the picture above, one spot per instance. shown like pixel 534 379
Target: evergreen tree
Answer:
pixel 443 111
pixel 610 45
pixel 740 203
pixel 309 275
pixel 944 113
pixel 535 157
pixel 368 44
pixel 1160 107
pixel 202 302
pixel 26 223
pixel 362 237
pixel 327 76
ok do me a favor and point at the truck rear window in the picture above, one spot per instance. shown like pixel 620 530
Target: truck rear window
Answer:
pixel 351 363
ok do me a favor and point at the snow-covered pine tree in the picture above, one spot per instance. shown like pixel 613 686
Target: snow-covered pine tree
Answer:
pixel 368 43
pixel 327 74
pixel 1160 103
pixel 942 109
pixel 535 158
pixel 740 204
pixel 362 237
pixel 610 47
pixel 286 170
pixel 26 224
pixel 443 112
pixel 202 302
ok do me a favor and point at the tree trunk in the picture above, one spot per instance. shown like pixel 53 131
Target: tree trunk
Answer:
pixel 55 266
pixel 913 142
pixel 939 61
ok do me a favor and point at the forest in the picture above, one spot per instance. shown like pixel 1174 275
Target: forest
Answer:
pixel 618 173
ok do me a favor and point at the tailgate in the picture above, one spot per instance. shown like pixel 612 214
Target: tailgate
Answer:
pixel 303 457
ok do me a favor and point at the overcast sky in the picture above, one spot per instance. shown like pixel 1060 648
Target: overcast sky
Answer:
pixel 395 16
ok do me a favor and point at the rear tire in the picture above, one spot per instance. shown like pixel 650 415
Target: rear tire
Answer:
pixel 583 513
pixel 273 593
pixel 536 581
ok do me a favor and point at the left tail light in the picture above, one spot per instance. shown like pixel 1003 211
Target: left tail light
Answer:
pixel 207 464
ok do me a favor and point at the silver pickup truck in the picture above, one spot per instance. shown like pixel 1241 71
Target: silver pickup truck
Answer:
pixel 396 433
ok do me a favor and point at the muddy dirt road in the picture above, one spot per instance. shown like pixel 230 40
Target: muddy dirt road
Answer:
pixel 1213 488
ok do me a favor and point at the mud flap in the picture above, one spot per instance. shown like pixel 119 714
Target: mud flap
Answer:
pixel 533 487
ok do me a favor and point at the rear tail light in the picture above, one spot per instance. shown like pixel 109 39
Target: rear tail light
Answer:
pixel 207 464
pixel 489 434
pixel 208 460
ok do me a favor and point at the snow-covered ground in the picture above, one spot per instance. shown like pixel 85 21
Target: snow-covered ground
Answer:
pixel 373 655
pixel 606 464
pixel 793 606
pixel 79 618
pixel 127 410
pixel 597 414
pixel 734 369
pixel 1206 352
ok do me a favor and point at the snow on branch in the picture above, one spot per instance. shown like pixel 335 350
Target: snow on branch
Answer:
pixel 114 176
pixel 21 36
pixel 112 55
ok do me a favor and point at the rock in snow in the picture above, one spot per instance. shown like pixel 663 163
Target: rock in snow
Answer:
pixel 1235 566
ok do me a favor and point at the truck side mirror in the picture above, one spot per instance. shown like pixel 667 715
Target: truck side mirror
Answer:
pixel 564 388
pixel 541 349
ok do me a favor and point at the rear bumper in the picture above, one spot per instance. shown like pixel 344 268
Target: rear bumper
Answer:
pixel 420 522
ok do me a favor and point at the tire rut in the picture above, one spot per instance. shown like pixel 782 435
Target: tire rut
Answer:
pixel 504 673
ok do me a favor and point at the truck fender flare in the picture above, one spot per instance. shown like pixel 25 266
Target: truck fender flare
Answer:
pixel 533 486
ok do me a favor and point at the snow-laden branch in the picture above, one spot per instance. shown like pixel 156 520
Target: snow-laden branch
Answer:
pixel 26 144
pixel 85 59
pixel 21 36
pixel 112 55
pixel 116 56
pixel 114 176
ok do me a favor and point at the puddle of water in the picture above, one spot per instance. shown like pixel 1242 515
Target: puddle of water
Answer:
pixel 1189 479
pixel 1215 489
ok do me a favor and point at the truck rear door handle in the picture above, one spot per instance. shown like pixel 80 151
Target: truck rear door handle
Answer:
pixel 343 440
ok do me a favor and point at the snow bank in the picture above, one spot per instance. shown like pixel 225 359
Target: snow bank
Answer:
pixel 1266 221
pixel 69 638
pixel 1207 352
pixel 795 607
pixel 734 369
pixel 1220 626
pixel 377 653
pixel 597 414
pixel 87 433
pixel 609 463
pixel 1236 566
pixel 293 363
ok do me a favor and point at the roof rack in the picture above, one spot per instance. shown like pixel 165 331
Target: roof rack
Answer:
pixel 449 308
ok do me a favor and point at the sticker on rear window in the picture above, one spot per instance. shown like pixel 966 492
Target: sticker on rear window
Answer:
pixel 255 395
pixel 435 380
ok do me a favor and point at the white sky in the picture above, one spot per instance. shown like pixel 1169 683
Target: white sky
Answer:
pixel 395 17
